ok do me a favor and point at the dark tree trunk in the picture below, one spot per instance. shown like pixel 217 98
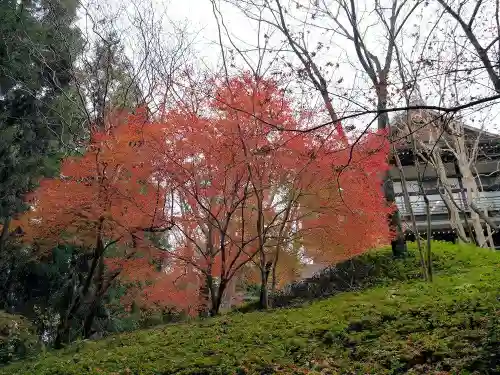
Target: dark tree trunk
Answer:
pixel 6 288
pixel 263 298
pixel 62 335
pixel 217 296
pixel 89 319
pixel 213 295
pixel 264 295
pixel 274 277
pixel 9 263
pixel 398 244
pixel 100 290
pixel 216 304
pixel 64 327
pixel 203 309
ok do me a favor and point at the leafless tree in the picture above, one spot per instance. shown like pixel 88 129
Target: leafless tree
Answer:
pixel 457 75
pixel 132 56
pixel 342 20
pixel 482 32
pixel 451 48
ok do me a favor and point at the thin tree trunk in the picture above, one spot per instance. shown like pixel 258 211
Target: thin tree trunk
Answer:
pixel 487 220
pixel 409 208
pixel 228 295
pixel 279 244
pixel 96 300
pixel 455 220
pixel 429 238
pixel 476 221
pixel 398 244
pixel 205 299
pixel 62 335
pixel 11 259
pixel 486 214
pixel 453 209
pixel 89 319
pixel 264 295
pixel 220 293
pixel 216 293
pixel 464 204
pixel 4 303
pixel 470 186
pixel 273 276
pixel 213 294
pixel 490 233
pixel 422 192
pixel 65 323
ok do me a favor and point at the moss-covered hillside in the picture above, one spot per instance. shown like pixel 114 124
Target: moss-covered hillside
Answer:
pixel 398 325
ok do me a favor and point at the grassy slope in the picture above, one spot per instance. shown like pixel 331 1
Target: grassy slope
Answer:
pixel 452 325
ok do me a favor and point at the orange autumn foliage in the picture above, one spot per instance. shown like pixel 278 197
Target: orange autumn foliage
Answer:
pixel 245 190
pixel 235 187
pixel 105 193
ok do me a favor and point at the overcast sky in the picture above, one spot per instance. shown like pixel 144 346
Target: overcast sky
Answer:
pixel 199 17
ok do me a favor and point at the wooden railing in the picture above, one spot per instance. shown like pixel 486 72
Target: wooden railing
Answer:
pixel 437 206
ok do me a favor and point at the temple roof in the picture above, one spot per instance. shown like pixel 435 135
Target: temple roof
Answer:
pixel 430 126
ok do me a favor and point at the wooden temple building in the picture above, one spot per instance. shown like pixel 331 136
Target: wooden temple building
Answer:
pixel 485 164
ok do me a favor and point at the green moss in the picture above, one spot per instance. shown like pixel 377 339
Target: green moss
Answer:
pixel 399 325
pixel 18 338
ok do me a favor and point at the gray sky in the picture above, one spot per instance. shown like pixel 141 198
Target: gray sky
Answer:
pixel 348 78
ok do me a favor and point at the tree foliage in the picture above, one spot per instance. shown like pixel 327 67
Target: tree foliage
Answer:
pixel 103 201
pixel 39 43
pixel 178 210
pixel 243 194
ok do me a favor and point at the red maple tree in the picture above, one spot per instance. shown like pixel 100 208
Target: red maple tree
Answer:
pixel 105 201
pixel 314 194
pixel 230 189
pixel 250 192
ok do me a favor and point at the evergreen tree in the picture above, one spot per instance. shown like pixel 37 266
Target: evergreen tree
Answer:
pixel 37 52
pixel 107 80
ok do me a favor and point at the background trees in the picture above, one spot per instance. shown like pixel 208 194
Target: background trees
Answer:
pixel 339 20
pixel 178 206
pixel 39 43
pixel 38 124
pixel 390 48
pixel 58 82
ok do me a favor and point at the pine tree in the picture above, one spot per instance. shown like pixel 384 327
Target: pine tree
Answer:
pixel 37 53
